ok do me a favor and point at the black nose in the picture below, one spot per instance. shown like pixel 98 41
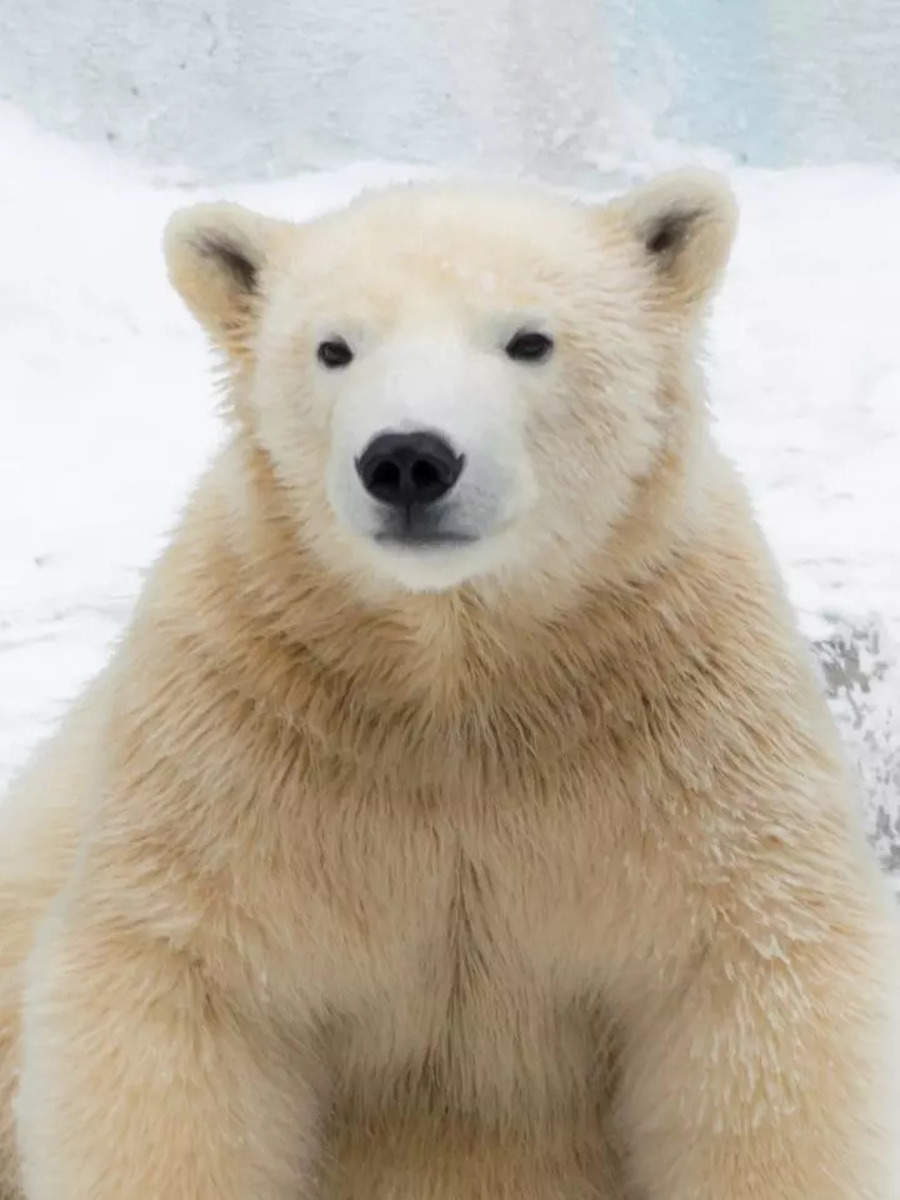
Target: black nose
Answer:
pixel 403 469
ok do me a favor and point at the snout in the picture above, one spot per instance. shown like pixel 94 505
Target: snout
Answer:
pixel 429 470
pixel 429 501
pixel 409 471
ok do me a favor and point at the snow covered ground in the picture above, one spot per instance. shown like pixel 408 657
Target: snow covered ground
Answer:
pixel 106 414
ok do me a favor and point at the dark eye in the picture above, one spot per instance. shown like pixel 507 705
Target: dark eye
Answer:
pixel 529 347
pixel 334 353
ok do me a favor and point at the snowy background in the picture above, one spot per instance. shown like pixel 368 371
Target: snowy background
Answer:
pixel 106 400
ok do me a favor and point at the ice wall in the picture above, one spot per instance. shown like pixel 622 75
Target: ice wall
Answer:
pixel 261 87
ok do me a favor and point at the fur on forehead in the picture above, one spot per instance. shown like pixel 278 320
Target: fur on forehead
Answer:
pixel 676 231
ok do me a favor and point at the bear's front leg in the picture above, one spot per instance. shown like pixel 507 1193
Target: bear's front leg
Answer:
pixel 140 1082
pixel 766 1068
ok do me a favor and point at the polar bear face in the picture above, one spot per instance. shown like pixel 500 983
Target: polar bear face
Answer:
pixel 456 383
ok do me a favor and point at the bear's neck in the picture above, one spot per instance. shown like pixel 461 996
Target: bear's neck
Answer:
pixel 399 681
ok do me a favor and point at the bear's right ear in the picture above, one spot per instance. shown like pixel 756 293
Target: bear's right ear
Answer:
pixel 684 223
pixel 216 255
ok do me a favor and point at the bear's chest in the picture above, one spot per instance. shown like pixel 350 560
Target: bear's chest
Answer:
pixel 458 949
pixel 429 907
pixel 455 995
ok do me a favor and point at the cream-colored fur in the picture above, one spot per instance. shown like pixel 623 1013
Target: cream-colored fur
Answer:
pixel 528 871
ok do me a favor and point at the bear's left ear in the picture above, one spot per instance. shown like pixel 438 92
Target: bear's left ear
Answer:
pixel 684 223
pixel 216 256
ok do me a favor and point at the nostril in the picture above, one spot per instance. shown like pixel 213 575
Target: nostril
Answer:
pixel 426 474
pixel 385 477
pixel 408 469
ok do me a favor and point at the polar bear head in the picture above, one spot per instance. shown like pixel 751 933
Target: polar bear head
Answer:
pixel 455 382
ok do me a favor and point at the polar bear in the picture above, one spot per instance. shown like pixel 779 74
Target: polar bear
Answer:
pixel 459 815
